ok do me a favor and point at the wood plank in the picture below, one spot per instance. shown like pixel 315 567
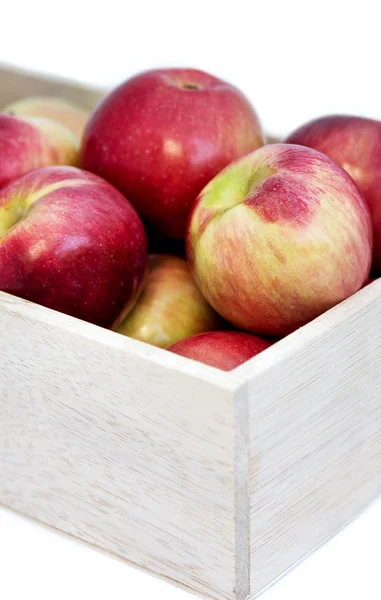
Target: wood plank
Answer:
pixel 315 435
pixel 16 84
pixel 121 451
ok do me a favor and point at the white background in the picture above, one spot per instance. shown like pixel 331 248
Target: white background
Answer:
pixel 295 60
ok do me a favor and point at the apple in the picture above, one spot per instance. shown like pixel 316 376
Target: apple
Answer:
pixel 279 237
pixel 222 349
pixel 57 109
pixel 162 135
pixel 33 142
pixel 170 307
pixel 369 281
pixel 73 243
pixel 354 143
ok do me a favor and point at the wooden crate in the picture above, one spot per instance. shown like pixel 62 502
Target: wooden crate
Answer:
pixel 220 482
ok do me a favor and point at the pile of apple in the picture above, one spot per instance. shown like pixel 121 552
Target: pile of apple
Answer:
pixel 167 218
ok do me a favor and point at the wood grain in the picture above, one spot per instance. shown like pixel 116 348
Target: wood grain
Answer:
pixel 127 454
pixel 315 435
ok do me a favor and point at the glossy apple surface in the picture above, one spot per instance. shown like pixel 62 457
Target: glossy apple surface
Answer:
pixel 225 350
pixel 354 143
pixel 162 135
pixel 170 307
pixel 279 237
pixel 27 144
pixel 72 242
pixel 57 109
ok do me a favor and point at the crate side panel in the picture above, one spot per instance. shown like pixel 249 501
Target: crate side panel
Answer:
pixel 131 456
pixel 315 441
pixel 16 84
pixel 3 441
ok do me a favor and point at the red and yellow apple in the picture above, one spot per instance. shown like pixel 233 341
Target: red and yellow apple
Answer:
pixel 354 143
pixel 170 307
pixel 33 142
pixel 279 237
pixel 73 243
pixel 57 109
pixel 225 350
pixel 162 135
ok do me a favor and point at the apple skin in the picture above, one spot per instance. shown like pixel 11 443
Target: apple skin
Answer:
pixel 224 350
pixel 30 143
pixel 160 142
pixel 170 307
pixel 354 143
pixel 57 109
pixel 279 237
pixel 369 281
pixel 73 243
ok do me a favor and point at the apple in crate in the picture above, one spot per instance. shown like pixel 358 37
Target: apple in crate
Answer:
pixel 354 143
pixel 279 237
pixel 170 307
pixel 33 142
pixel 72 242
pixel 222 349
pixel 162 135
pixel 57 109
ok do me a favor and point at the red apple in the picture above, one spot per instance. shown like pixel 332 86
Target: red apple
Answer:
pixel 353 143
pixel 162 135
pixel 369 281
pixel 170 307
pixel 57 109
pixel 30 143
pixel 222 349
pixel 72 242
pixel 279 237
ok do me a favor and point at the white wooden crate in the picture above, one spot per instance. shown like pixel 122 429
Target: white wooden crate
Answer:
pixel 220 482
